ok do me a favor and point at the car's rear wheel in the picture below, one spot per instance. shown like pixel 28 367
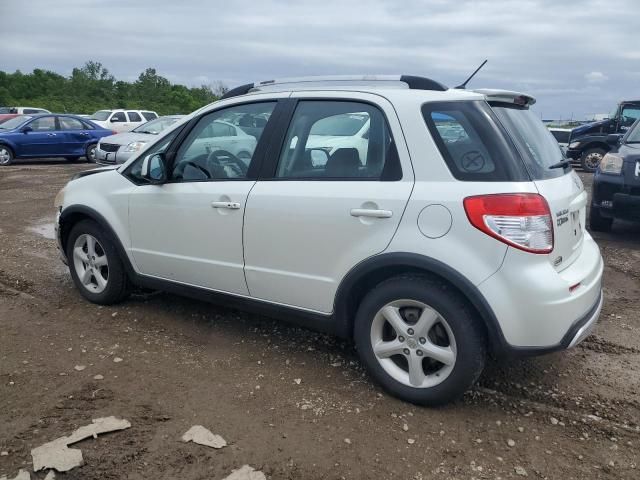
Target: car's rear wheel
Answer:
pixel 91 153
pixel 597 222
pixel 95 265
pixel 6 155
pixel 419 339
pixel 591 159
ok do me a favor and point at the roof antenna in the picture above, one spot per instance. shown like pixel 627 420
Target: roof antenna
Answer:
pixel 464 85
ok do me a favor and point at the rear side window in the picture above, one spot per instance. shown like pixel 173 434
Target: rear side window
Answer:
pixel 68 123
pixel 149 115
pixel 472 142
pixel 134 117
pixel 338 140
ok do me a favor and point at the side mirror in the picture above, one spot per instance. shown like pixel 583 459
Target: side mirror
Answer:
pixel 613 139
pixel 153 169
pixel 26 129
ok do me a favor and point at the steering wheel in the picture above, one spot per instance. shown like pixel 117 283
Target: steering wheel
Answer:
pixel 218 160
pixel 193 164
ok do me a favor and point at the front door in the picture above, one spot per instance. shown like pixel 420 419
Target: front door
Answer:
pixel 45 139
pixel 333 198
pixel 189 230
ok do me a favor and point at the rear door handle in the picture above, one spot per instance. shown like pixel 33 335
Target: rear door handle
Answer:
pixel 366 212
pixel 228 205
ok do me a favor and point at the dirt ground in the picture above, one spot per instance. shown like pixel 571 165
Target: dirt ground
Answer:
pixel 290 402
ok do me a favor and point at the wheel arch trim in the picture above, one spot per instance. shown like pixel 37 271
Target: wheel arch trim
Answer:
pixel 414 261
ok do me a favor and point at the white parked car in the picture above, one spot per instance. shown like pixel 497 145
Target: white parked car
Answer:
pixel 457 234
pixel 120 147
pixel 23 110
pixel 122 120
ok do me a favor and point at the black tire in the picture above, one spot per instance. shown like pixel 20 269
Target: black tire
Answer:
pixel 72 159
pixel 90 153
pixel 597 222
pixel 588 157
pixel 118 286
pixel 6 155
pixel 468 332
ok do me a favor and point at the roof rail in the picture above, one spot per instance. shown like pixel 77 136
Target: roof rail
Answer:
pixel 402 81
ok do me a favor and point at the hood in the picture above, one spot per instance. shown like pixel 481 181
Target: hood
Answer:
pixel 590 129
pixel 629 151
pixel 127 137
pixel 93 171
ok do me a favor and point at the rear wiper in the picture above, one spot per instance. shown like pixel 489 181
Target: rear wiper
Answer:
pixel 561 164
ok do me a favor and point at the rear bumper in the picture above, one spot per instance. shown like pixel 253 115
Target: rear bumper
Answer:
pixel 534 308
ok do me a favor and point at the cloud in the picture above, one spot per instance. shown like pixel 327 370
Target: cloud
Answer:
pixel 595 77
pixel 538 47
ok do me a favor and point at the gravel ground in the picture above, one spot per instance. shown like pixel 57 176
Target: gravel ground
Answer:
pixel 290 402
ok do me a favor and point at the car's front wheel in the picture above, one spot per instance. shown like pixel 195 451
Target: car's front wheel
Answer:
pixel 591 159
pixel 91 153
pixel 95 265
pixel 418 338
pixel 6 155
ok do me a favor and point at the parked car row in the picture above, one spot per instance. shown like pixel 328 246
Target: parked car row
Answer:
pixel 71 137
pixel 122 120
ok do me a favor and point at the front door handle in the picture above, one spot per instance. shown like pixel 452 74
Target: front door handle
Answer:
pixel 51 134
pixel 367 212
pixel 227 205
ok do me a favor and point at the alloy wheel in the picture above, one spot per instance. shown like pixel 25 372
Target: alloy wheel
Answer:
pixel 91 263
pixel 413 343
pixel 5 156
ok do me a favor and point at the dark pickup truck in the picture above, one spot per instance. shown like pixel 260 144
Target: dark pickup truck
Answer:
pixel 589 142
pixel 616 184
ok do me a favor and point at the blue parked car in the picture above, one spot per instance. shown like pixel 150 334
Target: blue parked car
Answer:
pixel 49 135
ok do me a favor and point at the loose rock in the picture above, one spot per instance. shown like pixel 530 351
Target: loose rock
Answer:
pixel 22 475
pixel 520 471
pixel 246 473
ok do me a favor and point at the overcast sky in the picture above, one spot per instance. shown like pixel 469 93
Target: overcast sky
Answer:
pixel 578 57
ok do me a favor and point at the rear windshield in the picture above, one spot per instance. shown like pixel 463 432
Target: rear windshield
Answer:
pixel 473 143
pixel 560 136
pixel 536 145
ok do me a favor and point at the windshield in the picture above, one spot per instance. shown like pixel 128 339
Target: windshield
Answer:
pixel 6 110
pixel 343 125
pixel 14 122
pixel 537 146
pixel 633 136
pixel 156 126
pixel 100 115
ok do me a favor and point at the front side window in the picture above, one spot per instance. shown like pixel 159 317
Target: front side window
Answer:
pixel 134 117
pixel 213 150
pixel 43 124
pixel 629 115
pixel 135 169
pixel 336 140
pixel 118 117
pixel 33 110
pixel 68 123
pixel 472 143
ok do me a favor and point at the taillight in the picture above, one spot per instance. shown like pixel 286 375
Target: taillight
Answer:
pixel 522 220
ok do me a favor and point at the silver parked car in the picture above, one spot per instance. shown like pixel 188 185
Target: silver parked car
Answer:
pixel 118 148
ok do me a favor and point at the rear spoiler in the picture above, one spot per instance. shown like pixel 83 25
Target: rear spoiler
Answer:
pixel 507 96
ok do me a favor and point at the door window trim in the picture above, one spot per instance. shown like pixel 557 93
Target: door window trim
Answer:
pixel 392 172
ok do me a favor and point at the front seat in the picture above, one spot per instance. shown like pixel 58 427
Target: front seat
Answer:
pixel 344 162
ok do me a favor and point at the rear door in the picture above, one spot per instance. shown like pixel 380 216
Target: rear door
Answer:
pixel 317 211
pixel 561 187
pixel 74 134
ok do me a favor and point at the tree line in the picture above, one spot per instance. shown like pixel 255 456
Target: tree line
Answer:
pixel 92 87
